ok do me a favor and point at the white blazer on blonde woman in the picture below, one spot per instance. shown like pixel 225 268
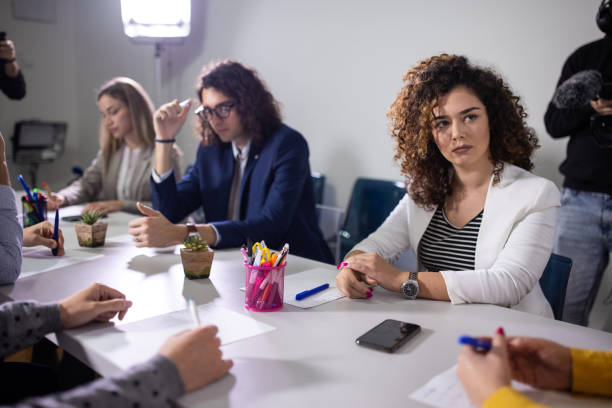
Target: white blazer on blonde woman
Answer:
pixel 514 242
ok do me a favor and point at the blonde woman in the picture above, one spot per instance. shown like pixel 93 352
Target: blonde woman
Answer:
pixel 119 175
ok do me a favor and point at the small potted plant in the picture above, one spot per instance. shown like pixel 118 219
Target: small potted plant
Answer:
pixel 91 232
pixel 197 258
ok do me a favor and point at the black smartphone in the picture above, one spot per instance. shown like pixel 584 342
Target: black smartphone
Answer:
pixel 389 336
pixel 2 36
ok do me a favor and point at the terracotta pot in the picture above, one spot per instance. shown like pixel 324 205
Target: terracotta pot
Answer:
pixel 91 235
pixel 196 264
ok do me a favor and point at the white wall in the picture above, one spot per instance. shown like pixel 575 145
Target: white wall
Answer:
pixel 335 66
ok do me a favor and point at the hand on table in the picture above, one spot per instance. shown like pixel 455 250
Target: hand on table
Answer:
pixel 41 234
pixel 481 374
pixel 96 302
pixel 197 356
pixel 540 363
pixel 350 281
pixel 155 230
pixel 372 269
pixel 103 207
pixel 169 119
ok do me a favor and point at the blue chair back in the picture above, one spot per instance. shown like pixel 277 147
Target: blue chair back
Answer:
pixel 554 282
pixel 371 202
pixel 318 186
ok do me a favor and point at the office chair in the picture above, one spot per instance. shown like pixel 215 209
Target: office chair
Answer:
pixel 318 186
pixel 371 202
pixel 554 282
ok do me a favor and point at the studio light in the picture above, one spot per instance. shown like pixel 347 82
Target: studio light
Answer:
pixel 156 19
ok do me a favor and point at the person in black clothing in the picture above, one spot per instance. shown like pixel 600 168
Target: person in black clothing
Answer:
pixel 12 82
pixel 584 226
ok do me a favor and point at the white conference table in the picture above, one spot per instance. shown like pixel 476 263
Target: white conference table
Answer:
pixel 310 359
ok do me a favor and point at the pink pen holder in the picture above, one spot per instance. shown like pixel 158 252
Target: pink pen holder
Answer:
pixel 264 287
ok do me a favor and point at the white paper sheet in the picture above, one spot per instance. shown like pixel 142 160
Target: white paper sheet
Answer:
pixel 39 260
pixel 307 280
pixel 232 326
pixel 310 279
pixel 445 390
pixel 126 344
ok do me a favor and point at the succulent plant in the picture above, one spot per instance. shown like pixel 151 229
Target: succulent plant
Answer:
pixel 90 217
pixel 195 244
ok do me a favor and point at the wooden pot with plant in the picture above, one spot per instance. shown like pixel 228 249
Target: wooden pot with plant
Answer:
pixel 197 258
pixel 91 232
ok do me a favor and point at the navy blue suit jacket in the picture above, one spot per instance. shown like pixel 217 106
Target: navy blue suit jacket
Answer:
pixel 277 199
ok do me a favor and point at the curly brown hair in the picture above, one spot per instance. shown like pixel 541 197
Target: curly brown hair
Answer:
pixel 259 111
pixel 427 172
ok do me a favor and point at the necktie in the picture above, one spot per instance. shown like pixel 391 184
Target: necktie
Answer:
pixel 232 208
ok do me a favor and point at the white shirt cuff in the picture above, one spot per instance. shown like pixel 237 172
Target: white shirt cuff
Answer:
pixel 157 178
pixel 218 234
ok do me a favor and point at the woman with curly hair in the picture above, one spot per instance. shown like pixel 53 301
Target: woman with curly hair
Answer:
pixel 482 226
pixel 251 175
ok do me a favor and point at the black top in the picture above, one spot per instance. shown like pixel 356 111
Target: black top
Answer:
pixel 587 167
pixel 14 88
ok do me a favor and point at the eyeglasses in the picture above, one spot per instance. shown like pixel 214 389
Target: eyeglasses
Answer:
pixel 222 110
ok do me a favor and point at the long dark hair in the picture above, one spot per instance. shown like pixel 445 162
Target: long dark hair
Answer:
pixel 259 111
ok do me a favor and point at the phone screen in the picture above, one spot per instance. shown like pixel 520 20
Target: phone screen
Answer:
pixel 389 336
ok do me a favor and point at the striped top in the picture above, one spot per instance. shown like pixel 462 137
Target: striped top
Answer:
pixel 445 247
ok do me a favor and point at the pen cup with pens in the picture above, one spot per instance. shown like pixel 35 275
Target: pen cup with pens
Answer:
pixel 33 211
pixel 264 287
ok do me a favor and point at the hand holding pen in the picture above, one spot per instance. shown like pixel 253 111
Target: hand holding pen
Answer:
pixel 483 373
pixel 169 119
pixel 42 234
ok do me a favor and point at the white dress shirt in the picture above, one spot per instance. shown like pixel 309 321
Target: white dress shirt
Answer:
pixel 126 172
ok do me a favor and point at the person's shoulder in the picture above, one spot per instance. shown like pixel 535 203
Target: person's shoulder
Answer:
pixel 288 136
pixel 525 182
pixel 593 48
pixel 285 132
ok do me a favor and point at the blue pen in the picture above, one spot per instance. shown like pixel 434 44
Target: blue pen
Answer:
pixel 311 292
pixel 478 344
pixel 56 233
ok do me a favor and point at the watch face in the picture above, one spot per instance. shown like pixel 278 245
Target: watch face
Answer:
pixel 410 289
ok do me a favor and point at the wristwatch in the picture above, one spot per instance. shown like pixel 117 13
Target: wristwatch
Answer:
pixel 410 288
pixel 192 230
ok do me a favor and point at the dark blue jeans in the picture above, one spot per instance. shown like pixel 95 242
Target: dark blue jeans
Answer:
pixel 584 234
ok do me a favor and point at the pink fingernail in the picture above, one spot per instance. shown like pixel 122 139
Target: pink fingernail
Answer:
pixel 369 294
pixel 341 265
pixel 500 330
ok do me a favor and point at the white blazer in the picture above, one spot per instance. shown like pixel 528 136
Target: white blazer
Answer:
pixel 514 242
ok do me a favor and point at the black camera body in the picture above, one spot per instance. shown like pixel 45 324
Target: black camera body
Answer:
pixel 601 129
pixel 606 90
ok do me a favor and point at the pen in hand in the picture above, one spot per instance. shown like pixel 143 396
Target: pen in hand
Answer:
pixel 478 344
pixel 194 313
pixel 56 233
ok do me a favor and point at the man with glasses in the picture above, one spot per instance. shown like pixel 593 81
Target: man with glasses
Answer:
pixel 251 175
